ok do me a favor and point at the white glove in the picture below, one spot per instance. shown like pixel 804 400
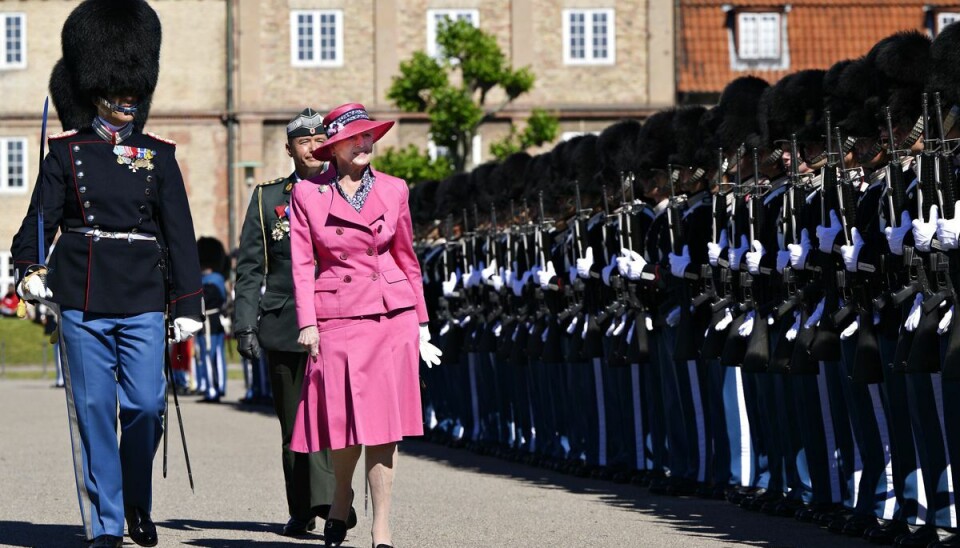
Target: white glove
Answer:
pixel 573 326
pixel 795 328
pixel 473 276
pixel 850 330
pixel 851 253
pixel 827 235
pixel 923 233
pixel 746 328
pixel 945 321
pixel 724 321
pixel 34 288
pixel 714 250
pixel 429 353
pixel 679 263
pixel 544 276
pixel 449 285
pixel 508 275
pixel 673 317
pixel 799 252
pixel 948 230
pixel 783 260
pixel 630 264
pixel 913 318
pixel 496 281
pixel 814 318
pixel 735 254
pixel 184 328
pixel 605 273
pixel 585 263
pixel 489 271
pixel 895 235
pixel 518 283
pixel 753 257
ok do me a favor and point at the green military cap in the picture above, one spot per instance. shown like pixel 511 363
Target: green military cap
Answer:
pixel 308 122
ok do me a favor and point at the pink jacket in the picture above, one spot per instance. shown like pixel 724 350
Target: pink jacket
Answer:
pixel 348 264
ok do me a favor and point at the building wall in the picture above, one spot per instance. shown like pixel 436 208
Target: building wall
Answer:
pixel 190 104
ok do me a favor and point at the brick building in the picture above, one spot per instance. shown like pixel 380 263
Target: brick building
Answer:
pixel 233 72
pixel 720 40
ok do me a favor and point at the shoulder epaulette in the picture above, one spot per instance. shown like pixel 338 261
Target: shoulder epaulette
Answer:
pixel 62 135
pixel 159 138
pixel 273 181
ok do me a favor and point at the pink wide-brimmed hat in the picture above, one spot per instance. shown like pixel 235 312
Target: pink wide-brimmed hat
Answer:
pixel 346 121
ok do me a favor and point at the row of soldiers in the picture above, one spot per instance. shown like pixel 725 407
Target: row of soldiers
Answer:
pixel 753 301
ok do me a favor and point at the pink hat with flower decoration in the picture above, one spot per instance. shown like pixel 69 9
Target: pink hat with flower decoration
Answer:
pixel 346 121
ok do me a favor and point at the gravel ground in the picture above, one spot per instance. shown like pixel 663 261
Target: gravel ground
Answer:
pixel 442 497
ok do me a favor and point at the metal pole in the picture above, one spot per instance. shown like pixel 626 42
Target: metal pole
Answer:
pixel 231 121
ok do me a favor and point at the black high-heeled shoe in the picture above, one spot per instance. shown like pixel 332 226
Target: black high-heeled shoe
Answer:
pixel 334 533
pixel 383 546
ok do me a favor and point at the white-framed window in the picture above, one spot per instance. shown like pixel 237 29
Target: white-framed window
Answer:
pixel 589 37
pixel 945 18
pixel 758 40
pixel 476 151
pixel 758 35
pixel 13 165
pixel 435 151
pixel 316 38
pixel 13 46
pixel 435 17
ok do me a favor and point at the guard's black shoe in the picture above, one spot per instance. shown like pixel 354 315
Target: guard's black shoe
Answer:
pixel 857 525
pixel 107 541
pixel 787 508
pixel 334 533
pixel 917 539
pixel 950 541
pixel 886 533
pixel 140 527
pixel 298 527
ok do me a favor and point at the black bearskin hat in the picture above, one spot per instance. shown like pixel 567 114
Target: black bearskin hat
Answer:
pixel 656 141
pixel 212 254
pixel 902 62
pixel 453 196
pixel 706 154
pixel 509 178
pixel 617 149
pixel 945 66
pixel 686 131
pixel 738 110
pixel 110 47
pixel 855 84
pixel 423 202
pixel 795 103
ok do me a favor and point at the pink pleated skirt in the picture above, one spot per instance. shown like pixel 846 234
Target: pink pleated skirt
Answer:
pixel 364 386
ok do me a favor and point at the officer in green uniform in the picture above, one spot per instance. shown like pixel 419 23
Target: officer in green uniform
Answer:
pixel 265 317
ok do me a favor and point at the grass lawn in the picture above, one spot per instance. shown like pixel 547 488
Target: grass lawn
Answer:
pixel 22 342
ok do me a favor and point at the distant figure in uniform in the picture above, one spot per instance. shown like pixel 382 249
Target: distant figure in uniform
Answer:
pixel 359 300
pixel 265 316
pixel 211 355
pixel 8 305
pixel 126 253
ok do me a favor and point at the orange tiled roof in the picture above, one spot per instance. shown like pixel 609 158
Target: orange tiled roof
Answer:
pixel 817 35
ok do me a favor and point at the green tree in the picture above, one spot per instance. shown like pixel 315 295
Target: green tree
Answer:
pixel 412 165
pixel 452 89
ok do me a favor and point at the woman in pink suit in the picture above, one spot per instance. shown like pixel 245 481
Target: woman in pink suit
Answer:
pixel 359 300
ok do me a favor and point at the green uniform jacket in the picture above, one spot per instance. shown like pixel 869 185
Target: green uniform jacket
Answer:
pixel 264 261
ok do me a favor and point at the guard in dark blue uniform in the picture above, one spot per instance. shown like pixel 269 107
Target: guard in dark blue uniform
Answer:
pixel 126 254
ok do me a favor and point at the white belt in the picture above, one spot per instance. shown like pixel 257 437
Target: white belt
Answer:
pixel 96 234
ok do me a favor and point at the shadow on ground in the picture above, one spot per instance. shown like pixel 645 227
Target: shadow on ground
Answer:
pixel 692 517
